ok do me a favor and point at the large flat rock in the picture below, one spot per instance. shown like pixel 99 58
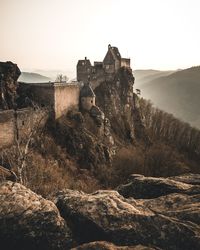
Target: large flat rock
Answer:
pixel 102 245
pixel 108 216
pixel 141 187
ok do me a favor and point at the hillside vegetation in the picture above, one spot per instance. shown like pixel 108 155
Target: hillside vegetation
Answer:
pixel 83 151
pixel 56 161
pixel 176 93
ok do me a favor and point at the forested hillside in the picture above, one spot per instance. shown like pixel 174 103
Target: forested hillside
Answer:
pixel 177 93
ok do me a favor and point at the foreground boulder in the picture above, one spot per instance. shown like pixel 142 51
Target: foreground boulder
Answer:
pixel 190 178
pixel 141 187
pixel 183 207
pixel 27 221
pixel 102 245
pixel 107 216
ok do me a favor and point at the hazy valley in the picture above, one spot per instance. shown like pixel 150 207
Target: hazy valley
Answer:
pixel 175 92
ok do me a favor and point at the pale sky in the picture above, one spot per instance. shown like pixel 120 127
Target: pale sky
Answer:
pixel 54 34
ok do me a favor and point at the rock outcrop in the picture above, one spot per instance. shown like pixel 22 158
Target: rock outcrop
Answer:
pixel 107 216
pixel 101 220
pixel 103 245
pixel 27 221
pixel 9 73
pixel 141 187
pixel 93 136
pixel 82 137
pixel 190 178
pixel 119 104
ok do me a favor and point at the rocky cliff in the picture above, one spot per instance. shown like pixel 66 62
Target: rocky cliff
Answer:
pixel 82 136
pixel 9 73
pixel 104 219
pixel 119 104
pixel 94 136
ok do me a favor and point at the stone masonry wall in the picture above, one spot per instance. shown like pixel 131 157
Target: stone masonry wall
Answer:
pixel 27 119
pixel 66 97
pixel 17 125
pixel 59 97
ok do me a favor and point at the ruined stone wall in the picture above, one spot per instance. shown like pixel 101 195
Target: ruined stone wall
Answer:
pixel 83 72
pixel 59 97
pixel 109 63
pixel 98 77
pixel 117 65
pixel 66 97
pixel 16 125
pixel 26 120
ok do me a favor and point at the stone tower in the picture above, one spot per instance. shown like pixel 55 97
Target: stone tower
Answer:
pixel 87 97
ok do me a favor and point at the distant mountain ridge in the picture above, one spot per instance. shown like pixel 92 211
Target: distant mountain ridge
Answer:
pixel 177 93
pixel 33 77
pixel 144 76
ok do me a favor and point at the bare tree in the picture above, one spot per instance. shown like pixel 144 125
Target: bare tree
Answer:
pixel 17 155
pixel 163 126
pixel 61 78
pixel 138 91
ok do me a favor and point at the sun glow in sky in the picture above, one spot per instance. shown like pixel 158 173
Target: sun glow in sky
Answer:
pixel 54 34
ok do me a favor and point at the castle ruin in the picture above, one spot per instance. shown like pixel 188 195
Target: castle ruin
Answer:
pixel 60 97
pixel 101 71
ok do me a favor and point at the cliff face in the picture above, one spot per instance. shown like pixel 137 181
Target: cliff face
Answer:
pixel 119 104
pixel 93 136
pixel 9 73
pixel 81 134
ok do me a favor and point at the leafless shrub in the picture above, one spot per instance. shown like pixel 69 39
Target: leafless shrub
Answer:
pixel 127 161
pixel 164 127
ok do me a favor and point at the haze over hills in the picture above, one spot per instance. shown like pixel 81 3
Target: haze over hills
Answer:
pixel 33 77
pixel 176 93
pixel 53 73
pixel 143 76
